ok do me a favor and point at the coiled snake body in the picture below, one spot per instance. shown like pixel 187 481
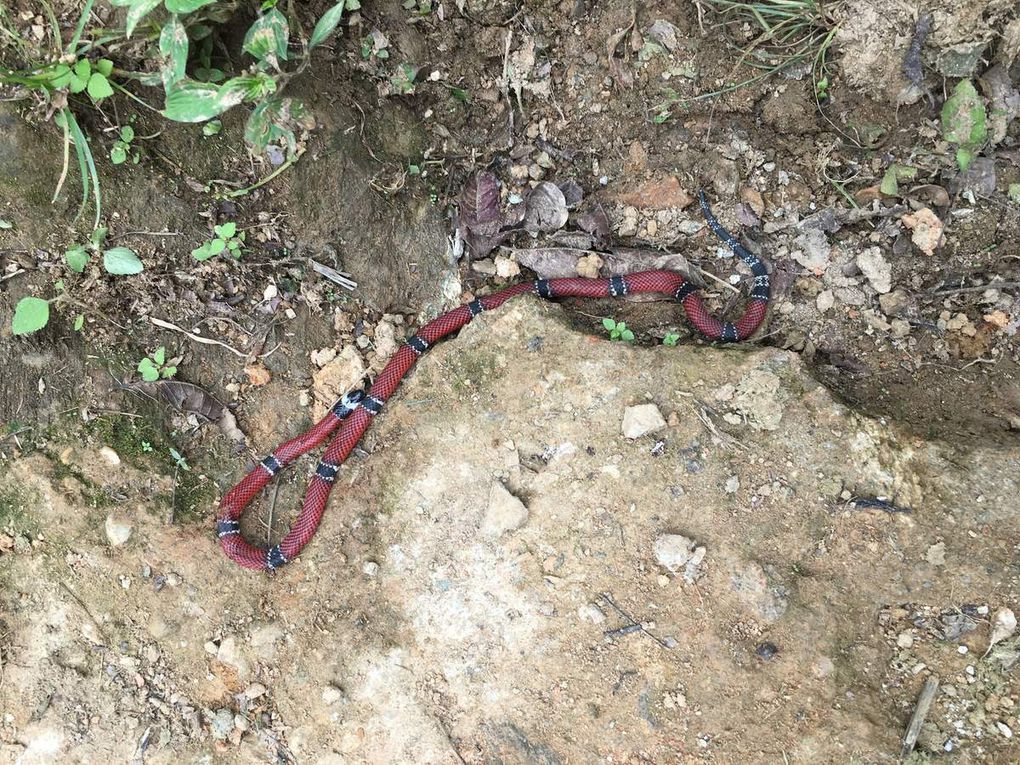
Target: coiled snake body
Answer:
pixel 354 412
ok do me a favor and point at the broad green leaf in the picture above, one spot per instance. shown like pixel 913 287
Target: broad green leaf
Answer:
pixel 226 231
pixel 5 224
pixel 891 180
pixel 256 131
pixel 325 26
pixel 83 69
pixel 121 261
pixel 193 102
pixel 609 324
pixel 60 76
pixel 353 5
pixel 127 134
pixel 99 87
pixel 79 322
pixel 104 66
pixel 78 84
pixel 169 372
pixel 212 127
pixel 173 45
pixel 160 355
pixel 139 10
pixel 30 315
pixel 118 154
pixel 268 36
pixel 964 120
pixel 76 259
pixel 185 6
pixel 253 87
pixel 150 373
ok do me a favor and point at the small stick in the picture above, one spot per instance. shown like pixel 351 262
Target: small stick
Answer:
pixel 978 288
pixel 88 612
pixel 931 685
pixel 715 278
pixel 333 275
pixel 197 338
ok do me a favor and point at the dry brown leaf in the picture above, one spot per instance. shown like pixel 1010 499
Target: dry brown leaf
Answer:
pixel 194 400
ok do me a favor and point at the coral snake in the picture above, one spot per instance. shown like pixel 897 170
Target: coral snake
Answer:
pixel 354 412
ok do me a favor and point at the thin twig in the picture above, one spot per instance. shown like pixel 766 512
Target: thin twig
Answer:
pixel 333 275
pixel 977 288
pixel 197 338
pixel 86 609
pixel 715 278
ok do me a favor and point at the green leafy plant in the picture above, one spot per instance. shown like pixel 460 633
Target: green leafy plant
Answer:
pixel 964 122
pixel 122 149
pixel 154 367
pixel 893 175
pixel 179 462
pixel 786 34
pixel 618 330
pixel 118 261
pixel 227 239
pixel 171 34
pixel 671 339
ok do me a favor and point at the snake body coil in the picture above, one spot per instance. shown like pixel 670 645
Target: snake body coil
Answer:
pixel 354 412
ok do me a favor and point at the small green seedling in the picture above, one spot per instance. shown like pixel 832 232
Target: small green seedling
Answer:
pixel 179 461
pixel 402 80
pixel 146 446
pixel 211 128
pixel 122 147
pixel 618 330
pixel 671 339
pixel 964 122
pixel 154 367
pixel 119 261
pixel 375 45
pixel 227 239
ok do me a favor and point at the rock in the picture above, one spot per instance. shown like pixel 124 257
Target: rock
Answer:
pixel 506 268
pixel 676 552
pixel 118 530
pixel 812 250
pixel 759 399
pixel 484 266
pixel 900 328
pixel 766 651
pixel 221 724
pixel 504 513
pixel 385 339
pixel 641 420
pixel 109 455
pixel 893 303
pixel 936 554
pixel 751 585
pixel 343 373
pixel 332 694
pixel 927 229
pixel 229 653
pixel 1003 626
pixel 629 224
pixel 591 613
pixel 732 485
pixel 825 300
pixel 661 194
pixel 370 568
pixel 876 268
pixel 588 266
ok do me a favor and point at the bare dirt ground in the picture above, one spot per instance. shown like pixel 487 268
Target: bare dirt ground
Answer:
pixel 503 575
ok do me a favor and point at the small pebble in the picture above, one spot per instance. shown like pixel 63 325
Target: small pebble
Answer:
pixel 370 568
pixel 766 651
